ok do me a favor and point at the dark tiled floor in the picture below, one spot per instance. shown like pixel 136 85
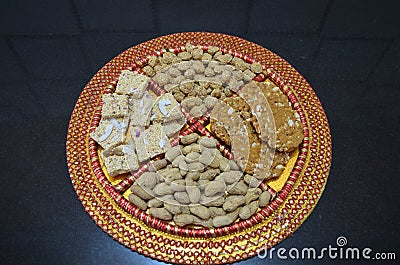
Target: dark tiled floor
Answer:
pixel 352 18
pixel 11 70
pixel 37 17
pixel 345 60
pixel 347 50
pixel 298 50
pixel 52 58
pixel 286 16
pixel 388 70
pixel 209 15
pixel 125 15
pixel 101 48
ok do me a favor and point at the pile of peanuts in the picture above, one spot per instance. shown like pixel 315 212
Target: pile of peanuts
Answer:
pixel 194 72
pixel 195 185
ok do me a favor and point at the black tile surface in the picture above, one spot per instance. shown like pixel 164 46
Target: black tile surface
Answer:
pixel 208 15
pixel 11 70
pixel 286 16
pixel 347 50
pixel 52 58
pixel 352 18
pixel 297 50
pixel 347 60
pixel 102 47
pixel 388 70
pixel 18 102
pixel 133 15
pixel 37 17
pixel 55 95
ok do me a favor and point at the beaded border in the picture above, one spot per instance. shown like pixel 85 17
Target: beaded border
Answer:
pixel 297 199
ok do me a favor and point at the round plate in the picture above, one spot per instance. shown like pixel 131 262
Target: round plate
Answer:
pixel 293 200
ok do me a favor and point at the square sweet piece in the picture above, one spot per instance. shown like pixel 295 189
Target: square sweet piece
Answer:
pixel 114 106
pixel 174 126
pixel 110 132
pixel 260 108
pixel 132 84
pixel 115 165
pixel 166 108
pixel 120 159
pixel 151 142
pixel 139 110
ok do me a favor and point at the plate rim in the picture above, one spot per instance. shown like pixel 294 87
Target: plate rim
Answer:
pixel 277 229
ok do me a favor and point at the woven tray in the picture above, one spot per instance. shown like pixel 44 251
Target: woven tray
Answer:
pixel 295 193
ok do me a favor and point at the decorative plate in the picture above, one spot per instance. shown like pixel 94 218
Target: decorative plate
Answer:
pixel 294 193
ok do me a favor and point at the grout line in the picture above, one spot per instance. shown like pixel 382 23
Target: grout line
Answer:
pixel 75 11
pixel 250 6
pixel 270 33
pixel 156 21
pixel 324 18
pixel 42 36
pixel 354 82
pixel 358 39
pixel 105 31
pixel 380 59
pixel 19 60
pixel 314 57
pixel 84 55
pixel 285 33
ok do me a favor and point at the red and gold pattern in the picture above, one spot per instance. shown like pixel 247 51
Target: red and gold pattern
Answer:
pixel 156 239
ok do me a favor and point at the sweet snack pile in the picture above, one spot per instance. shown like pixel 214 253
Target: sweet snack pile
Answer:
pixel 210 177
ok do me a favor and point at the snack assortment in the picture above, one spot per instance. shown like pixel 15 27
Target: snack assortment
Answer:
pixel 192 182
pixel 195 185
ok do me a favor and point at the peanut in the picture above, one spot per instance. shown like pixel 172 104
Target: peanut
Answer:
pixel 264 199
pixel 189 139
pixel 172 153
pixel 182 197
pixel 232 202
pixel 252 195
pixel 158 164
pixel 191 148
pixel 192 157
pixel 178 185
pixel 222 220
pixel 136 200
pixel 194 193
pixel 162 189
pixel 212 201
pixel 239 188
pixel 160 213
pixel 248 210
pixel 183 219
pixel 147 179
pixel 200 211
pixel 172 206
pixel 155 203
pixel 230 177
pixel 216 211
pixel 214 188
pixel 207 142
pixel 142 192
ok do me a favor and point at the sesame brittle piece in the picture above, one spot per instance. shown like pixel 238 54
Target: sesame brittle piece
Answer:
pixel 151 142
pixel 289 129
pixel 110 132
pixel 139 110
pixel 114 106
pixel 132 84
